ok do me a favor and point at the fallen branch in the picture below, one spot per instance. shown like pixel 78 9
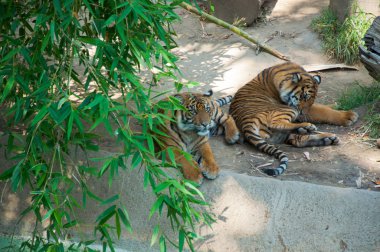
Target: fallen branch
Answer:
pixel 234 29
pixel 324 67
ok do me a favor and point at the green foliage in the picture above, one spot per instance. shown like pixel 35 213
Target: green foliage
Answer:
pixel 341 41
pixel 373 120
pixel 52 108
pixel 357 96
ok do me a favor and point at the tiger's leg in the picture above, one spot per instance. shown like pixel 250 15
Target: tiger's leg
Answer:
pixel 317 139
pixel 209 167
pixel 190 168
pixel 324 114
pixel 282 120
pixel 231 132
pixel 286 125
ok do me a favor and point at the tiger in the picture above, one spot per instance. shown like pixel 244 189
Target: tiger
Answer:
pixel 189 131
pixel 277 106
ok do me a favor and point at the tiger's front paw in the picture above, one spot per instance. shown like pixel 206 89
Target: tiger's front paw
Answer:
pixel 349 118
pixel 309 128
pixel 210 171
pixel 232 137
pixel 192 172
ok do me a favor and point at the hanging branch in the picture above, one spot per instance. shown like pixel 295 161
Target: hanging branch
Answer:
pixel 234 29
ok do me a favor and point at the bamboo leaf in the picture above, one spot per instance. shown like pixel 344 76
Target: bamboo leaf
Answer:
pixel 41 114
pixel 47 215
pixel 125 219
pixel 156 231
pixel 70 125
pixel 106 215
pixel 10 55
pixel 162 186
pixel 70 224
pixel 181 240
pixel 150 144
pixel 156 205
pixel 110 20
pixel 93 196
pixel 117 224
pixel 111 199
pixel 136 159
pixel 7 89
pixel 171 155
pixel 92 41
pixel 16 176
pixel 162 244
pixel 124 13
pixel 7 173
pixel 57 7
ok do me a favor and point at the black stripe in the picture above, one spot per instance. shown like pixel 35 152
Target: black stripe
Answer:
pixel 261 144
pixel 249 131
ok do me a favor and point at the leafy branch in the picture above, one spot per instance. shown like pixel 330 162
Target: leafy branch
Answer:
pixel 60 64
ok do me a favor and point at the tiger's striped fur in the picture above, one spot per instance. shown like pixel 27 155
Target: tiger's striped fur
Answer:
pixel 191 129
pixel 277 106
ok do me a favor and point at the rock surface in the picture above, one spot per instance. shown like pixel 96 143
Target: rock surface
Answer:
pixel 247 11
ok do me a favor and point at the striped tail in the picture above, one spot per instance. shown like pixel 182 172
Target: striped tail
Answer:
pixel 224 100
pixel 263 146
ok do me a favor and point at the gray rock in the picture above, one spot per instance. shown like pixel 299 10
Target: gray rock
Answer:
pixel 247 11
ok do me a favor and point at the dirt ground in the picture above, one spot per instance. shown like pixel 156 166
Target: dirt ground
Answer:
pixel 218 59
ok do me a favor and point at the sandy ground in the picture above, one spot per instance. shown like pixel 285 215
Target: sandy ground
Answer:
pixel 220 60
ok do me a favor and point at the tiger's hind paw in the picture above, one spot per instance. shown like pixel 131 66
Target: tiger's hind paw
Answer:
pixel 332 140
pixel 321 139
pixel 306 129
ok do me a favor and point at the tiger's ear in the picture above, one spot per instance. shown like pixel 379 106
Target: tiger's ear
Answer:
pixel 208 93
pixel 317 79
pixel 296 78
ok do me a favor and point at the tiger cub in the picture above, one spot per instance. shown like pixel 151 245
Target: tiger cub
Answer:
pixel 277 106
pixel 190 130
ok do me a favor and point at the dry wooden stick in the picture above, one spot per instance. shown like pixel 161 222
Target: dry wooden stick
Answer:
pixel 234 29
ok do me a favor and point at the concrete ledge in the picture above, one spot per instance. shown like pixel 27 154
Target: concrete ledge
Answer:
pixel 264 214
pixel 255 214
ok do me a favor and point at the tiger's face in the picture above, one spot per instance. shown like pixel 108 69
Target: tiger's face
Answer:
pixel 198 114
pixel 299 90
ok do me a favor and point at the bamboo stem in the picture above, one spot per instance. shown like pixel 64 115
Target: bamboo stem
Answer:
pixel 234 29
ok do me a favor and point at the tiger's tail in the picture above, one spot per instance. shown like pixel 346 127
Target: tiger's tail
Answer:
pixel 272 150
pixel 224 100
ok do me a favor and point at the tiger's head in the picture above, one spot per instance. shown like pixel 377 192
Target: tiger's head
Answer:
pixel 198 113
pixel 297 88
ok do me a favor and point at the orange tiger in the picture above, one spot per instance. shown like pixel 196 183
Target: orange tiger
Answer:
pixel 190 130
pixel 277 106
